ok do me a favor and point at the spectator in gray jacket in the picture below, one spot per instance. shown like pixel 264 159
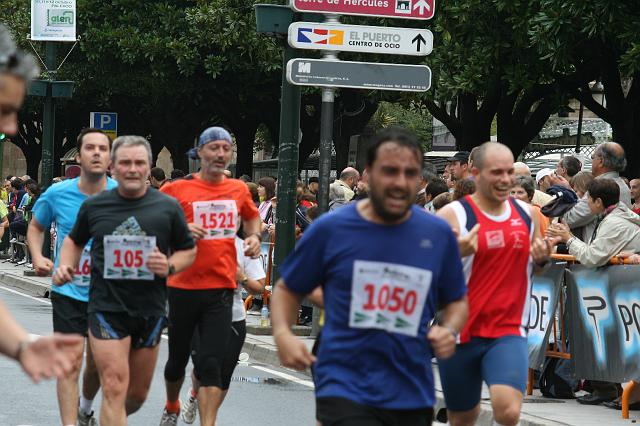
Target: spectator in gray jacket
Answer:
pixel 337 196
pixel 607 161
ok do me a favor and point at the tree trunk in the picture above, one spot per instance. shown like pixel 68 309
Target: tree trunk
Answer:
pixel 245 137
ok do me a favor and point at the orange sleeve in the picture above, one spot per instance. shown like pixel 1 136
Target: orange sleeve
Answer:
pixel 248 210
pixel 543 222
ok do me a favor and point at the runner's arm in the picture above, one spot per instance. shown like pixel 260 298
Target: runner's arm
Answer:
pixel 182 259
pixel 70 254
pixel 43 358
pixel 292 351
pixel 467 244
pixel 252 228
pixel 35 241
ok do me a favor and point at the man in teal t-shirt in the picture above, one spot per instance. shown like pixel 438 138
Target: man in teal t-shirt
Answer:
pixel 60 203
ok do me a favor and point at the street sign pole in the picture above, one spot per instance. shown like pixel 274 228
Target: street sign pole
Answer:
pixel 287 166
pixel 326 132
pixel 48 116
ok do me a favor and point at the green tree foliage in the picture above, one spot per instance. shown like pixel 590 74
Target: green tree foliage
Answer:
pixel 601 38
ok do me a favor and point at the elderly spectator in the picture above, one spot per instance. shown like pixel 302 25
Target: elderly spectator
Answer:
pixel 607 161
pixel 337 196
pixel 618 231
pixel 568 167
pixel 635 194
pixel 348 180
pixel 539 198
pixel 580 182
pixel 524 189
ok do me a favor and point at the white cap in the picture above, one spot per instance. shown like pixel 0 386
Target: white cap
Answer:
pixel 542 173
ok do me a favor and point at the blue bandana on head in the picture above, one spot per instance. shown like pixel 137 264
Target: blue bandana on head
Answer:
pixel 209 135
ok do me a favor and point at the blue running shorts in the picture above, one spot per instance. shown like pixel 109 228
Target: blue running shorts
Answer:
pixel 501 361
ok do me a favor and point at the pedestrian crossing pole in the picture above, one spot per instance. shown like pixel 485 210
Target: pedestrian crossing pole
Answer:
pixel 48 116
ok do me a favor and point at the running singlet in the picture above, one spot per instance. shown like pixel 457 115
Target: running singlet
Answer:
pixel 498 274
pixel 218 208
pixel 382 285
pixel 60 203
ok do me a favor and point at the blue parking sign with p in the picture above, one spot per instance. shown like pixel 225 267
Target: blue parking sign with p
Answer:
pixel 106 121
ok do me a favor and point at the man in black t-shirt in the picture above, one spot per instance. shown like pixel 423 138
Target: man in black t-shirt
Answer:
pixel 133 229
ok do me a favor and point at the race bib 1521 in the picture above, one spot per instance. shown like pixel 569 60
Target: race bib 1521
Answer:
pixel 125 257
pixel 388 296
pixel 218 217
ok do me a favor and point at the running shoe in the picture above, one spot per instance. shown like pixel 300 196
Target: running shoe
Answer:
pixel 189 409
pixel 168 419
pixel 86 419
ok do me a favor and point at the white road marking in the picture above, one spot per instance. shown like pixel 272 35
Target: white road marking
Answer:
pixel 285 376
pixel 45 301
pixel 41 300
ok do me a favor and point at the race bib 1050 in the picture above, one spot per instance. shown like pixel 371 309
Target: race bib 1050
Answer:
pixel 219 218
pixel 125 257
pixel 388 296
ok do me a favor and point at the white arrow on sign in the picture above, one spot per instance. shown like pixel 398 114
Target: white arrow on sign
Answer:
pixel 421 5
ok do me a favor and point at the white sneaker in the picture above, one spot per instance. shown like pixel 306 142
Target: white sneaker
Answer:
pixel 168 419
pixel 86 419
pixel 189 409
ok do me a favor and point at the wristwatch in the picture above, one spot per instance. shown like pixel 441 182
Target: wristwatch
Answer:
pixel 172 269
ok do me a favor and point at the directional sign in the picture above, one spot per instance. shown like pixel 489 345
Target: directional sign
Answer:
pixel 359 38
pixel 402 9
pixel 358 75
pixel 105 121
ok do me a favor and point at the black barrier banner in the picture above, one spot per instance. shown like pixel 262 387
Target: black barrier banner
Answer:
pixel 545 292
pixel 604 307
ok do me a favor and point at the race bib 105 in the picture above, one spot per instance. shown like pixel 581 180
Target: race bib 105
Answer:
pixel 388 296
pixel 219 218
pixel 125 257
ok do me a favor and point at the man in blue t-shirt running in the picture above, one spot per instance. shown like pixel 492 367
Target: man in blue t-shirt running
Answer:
pixel 385 267
pixel 60 204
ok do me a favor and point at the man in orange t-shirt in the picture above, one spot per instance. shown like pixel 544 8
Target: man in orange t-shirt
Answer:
pixel 201 296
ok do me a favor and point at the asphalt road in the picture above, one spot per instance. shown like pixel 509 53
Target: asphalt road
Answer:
pixel 259 394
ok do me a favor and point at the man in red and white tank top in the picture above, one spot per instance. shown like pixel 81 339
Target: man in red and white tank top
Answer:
pixel 500 243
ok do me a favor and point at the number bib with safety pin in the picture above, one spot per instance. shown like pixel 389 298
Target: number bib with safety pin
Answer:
pixel 219 218
pixel 388 296
pixel 82 275
pixel 125 257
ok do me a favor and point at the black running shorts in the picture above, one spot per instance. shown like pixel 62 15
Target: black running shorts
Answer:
pixel 69 315
pixel 343 412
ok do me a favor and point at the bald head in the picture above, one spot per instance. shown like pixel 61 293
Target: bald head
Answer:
pixel 521 169
pixel 350 176
pixel 487 151
pixel 608 157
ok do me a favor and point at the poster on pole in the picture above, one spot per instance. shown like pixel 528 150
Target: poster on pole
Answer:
pixel 53 20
